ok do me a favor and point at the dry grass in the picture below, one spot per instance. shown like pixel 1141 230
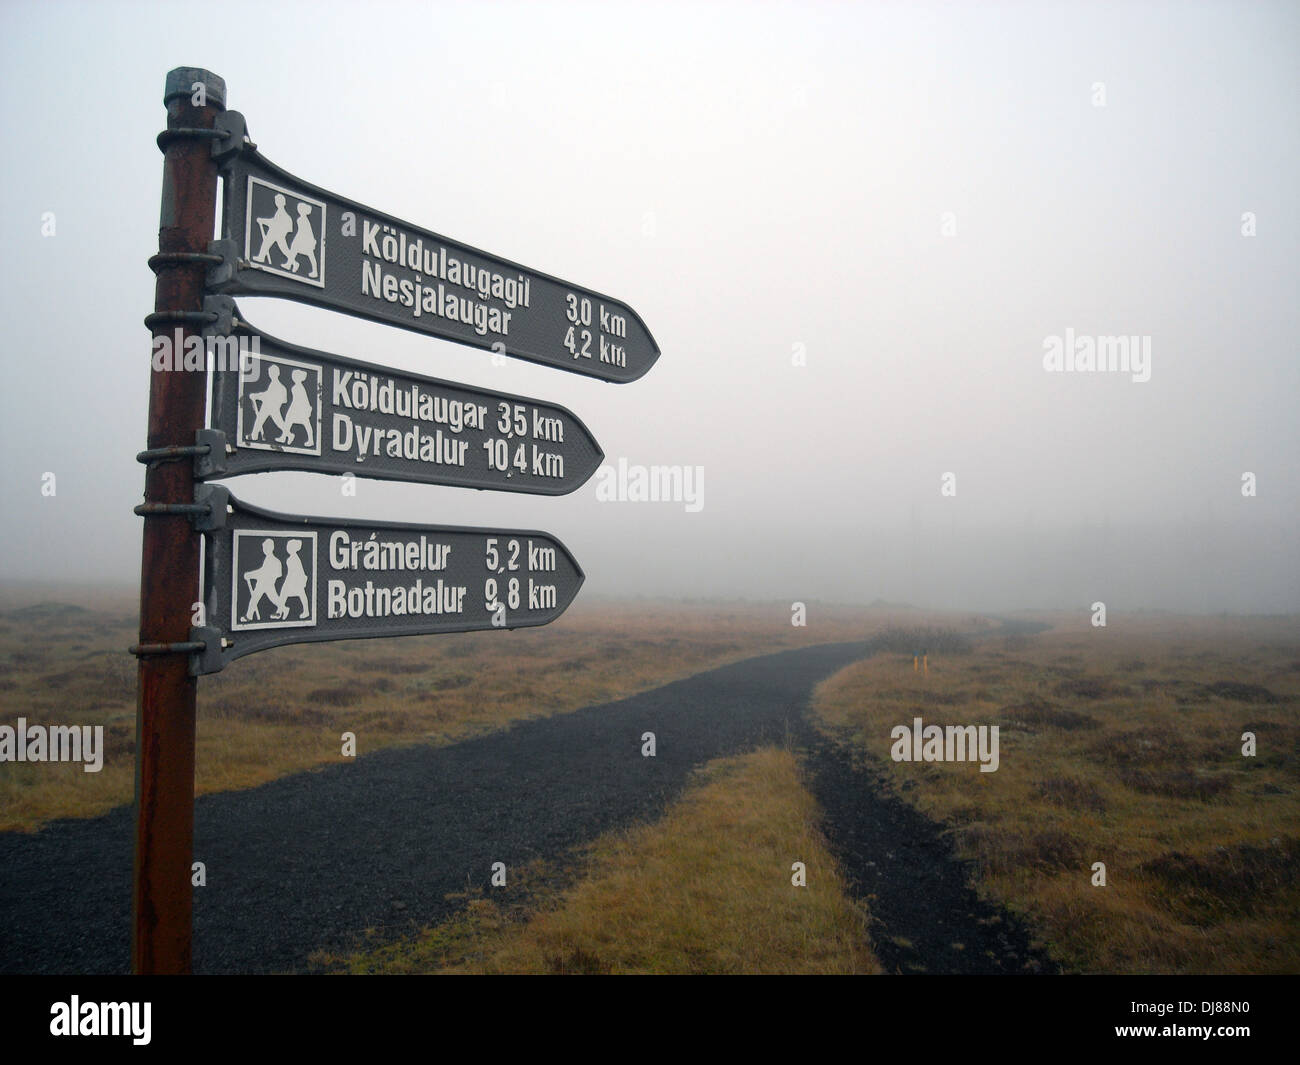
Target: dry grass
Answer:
pixel 705 890
pixel 1119 745
pixel 285 710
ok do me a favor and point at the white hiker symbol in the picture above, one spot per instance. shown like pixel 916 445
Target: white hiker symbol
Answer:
pixel 275 230
pixel 304 241
pixel 269 403
pixel 261 581
pixel 295 584
pixel 299 412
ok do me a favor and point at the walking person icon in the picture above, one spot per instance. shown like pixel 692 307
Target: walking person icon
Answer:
pixel 299 412
pixel 295 584
pixel 304 241
pixel 275 231
pixel 269 403
pixel 262 581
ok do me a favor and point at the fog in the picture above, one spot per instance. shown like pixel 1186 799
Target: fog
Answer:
pixel 853 230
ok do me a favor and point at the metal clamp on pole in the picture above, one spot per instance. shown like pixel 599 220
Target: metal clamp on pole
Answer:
pixel 154 456
pixel 204 648
pixel 227 316
pixel 177 133
pixel 155 510
pixel 226 252
pixel 231 137
pixel 165 259
pixel 187 647
pixel 207 512
pixel 196 318
pixel 217 499
pixel 208 451
pixel 206 657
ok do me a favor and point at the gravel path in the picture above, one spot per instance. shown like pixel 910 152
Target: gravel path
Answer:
pixel 924 916
pixel 311 861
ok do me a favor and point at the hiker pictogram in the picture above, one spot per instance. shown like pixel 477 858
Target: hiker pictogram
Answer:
pixel 275 579
pixel 295 583
pixel 262 581
pixel 268 402
pixel 284 232
pixel 299 413
pixel 280 405
pixel 304 241
pixel 274 231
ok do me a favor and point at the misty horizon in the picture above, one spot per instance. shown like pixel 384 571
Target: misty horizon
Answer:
pixel 888 256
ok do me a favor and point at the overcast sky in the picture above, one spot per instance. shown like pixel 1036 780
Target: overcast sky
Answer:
pixel 913 198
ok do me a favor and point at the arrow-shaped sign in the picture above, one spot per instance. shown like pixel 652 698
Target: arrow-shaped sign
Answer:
pixel 285 407
pixel 285 237
pixel 274 579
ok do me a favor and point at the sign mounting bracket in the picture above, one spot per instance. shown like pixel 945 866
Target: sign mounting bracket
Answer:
pixel 222 267
pixel 207 658
pixel 231 138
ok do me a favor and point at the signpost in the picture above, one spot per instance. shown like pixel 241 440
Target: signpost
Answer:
pixel 284 407
pixel 284 237
pixel 272 579
pixel 161 900
pixel 275 579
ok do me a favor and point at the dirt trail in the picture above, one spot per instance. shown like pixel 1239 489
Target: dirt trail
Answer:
pixel 312 860
pixel 925 917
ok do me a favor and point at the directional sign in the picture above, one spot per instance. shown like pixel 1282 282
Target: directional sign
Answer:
pixel 284 407
pixel 284 237
pixel 273 579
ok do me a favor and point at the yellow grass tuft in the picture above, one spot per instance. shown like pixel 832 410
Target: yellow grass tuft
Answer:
pixel 705 890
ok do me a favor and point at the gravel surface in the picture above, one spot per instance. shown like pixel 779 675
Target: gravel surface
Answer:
pixel 924 916
pixel 313 860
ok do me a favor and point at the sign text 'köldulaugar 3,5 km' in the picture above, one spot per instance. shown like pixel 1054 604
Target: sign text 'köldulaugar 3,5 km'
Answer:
pixel 277 406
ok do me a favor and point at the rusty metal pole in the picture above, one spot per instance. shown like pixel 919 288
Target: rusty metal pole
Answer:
pixel 162 899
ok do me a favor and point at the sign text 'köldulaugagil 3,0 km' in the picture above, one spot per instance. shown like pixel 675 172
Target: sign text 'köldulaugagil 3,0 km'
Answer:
pixel 270 579
pixel 284 237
